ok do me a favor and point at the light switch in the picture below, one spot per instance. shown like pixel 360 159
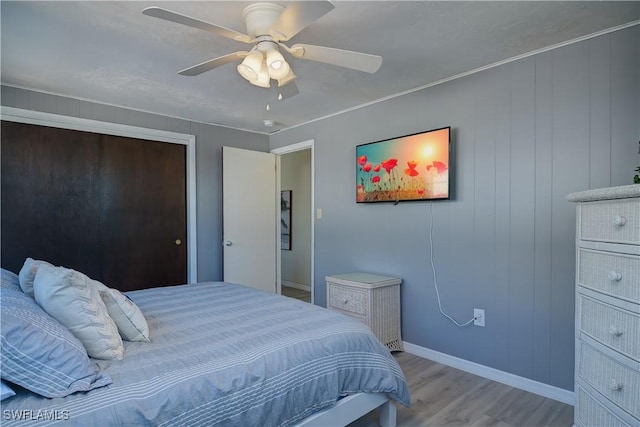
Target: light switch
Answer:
pixel 319 213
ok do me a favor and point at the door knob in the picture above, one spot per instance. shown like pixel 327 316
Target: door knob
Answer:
pixel 227 243
pixel 178 242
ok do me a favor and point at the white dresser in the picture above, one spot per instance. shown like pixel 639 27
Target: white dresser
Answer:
pixel 372 298
pixel 607 375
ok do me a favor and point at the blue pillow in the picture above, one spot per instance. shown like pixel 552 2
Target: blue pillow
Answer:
pixel 40 354
pixel 9 280
pixel 5 391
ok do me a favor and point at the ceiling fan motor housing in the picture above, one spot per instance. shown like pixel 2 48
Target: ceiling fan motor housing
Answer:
pixel 259 18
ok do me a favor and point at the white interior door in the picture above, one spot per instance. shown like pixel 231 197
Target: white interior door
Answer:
pixel 250 206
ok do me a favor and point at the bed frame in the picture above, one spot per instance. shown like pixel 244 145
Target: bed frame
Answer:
pixel 351 408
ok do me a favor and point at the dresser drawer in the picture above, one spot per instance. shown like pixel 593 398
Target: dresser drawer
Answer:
pixel 614 327
pixel 611 221
pixel 347 299
pixel 617 275
pixel 618 382
pixel 590 413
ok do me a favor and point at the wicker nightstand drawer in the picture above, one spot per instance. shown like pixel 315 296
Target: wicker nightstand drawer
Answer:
pixel 618 382
pixel 614 327
pixel 611 221
pixel 347 299
pixel 614 274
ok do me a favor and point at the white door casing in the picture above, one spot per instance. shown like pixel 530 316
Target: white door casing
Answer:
pixel 304 145
pixel 250 200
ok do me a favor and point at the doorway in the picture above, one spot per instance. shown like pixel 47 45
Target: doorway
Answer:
pixel 295 273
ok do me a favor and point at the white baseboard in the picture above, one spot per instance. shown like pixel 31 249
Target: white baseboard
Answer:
pixel 526 384
pixel 296 285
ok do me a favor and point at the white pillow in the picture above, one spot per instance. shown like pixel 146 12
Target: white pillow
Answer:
pixel 70 297
pixel 28 273
pixel 130 321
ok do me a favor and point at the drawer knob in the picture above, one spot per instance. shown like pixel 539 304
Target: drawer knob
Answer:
pixel 619 221
pixel 616 385
pixel 615 331
pixel 614 276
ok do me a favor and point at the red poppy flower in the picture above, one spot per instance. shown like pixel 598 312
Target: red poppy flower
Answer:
pixel 440 167
pixel 420 191
pixel 362 160
pixel 376 168
pixel 375 178
pixel 412 164
pixel 389 164
pixel 358 187
pixel 367 167
pixel 411 172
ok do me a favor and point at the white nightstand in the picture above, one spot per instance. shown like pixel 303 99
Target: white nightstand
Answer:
pixel 372 298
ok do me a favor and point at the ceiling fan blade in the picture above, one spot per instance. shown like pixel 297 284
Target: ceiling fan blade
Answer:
pixel 342 58
pixel 287 91
pixel 297 16
pixel 167 15
pixel 213 63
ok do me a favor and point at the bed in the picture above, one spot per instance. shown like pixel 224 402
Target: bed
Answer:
pixel 222 354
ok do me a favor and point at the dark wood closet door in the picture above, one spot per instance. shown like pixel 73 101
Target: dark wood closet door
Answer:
pixel 144 212
pixel 111 207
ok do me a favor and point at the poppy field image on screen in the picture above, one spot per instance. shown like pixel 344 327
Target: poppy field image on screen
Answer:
pixel 412 167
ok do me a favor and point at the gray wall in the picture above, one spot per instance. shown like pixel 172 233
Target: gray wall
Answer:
pixel 295 175
pixel 526 134
pixel 209 142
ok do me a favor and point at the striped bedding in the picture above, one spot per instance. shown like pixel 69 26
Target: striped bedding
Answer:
pixel 223 354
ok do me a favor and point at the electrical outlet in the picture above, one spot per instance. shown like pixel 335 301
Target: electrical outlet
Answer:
pixel 478 317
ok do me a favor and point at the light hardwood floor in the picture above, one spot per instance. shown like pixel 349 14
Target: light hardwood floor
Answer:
pixel 444 396
pixel 296 293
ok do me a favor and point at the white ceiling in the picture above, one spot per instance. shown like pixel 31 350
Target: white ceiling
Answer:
pixel 109 52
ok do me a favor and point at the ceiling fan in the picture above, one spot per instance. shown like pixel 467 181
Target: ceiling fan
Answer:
pixel 268 26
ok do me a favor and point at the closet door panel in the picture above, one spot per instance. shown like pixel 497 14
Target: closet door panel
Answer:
pixel 50 179
pixel 144 212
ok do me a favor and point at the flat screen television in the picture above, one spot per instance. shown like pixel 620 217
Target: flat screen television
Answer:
pixel 410 167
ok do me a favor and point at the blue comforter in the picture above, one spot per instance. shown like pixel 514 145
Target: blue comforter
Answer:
pixel 225 355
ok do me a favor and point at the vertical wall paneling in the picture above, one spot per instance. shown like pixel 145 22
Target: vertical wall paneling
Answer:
pixel 157 121
pixel 521 219
pixel 527 133
pixel 570 160
pixel 68 107
pixel 500 290
pixel 85 111
pixel 542 206
pixel 106 113
pixel 484 146
pixel 43 102
pixel 210 230
pixel 599 113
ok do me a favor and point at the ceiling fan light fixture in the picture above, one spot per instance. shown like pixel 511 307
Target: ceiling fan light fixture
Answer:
pixel 277 66
pixel 251 66
pixel 288 78
pixel 263 79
